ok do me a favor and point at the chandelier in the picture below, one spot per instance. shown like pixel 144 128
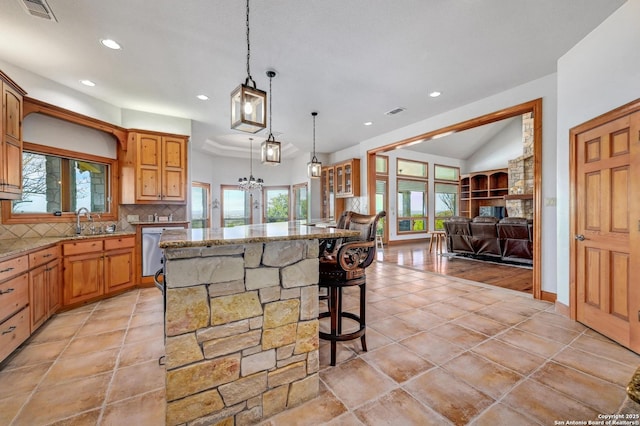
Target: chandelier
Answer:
pixel 251 183
pixel 314 167
pixel 270 151
pixel 248 103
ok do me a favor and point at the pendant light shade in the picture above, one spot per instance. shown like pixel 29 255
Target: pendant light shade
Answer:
pixel 270 149
pixel 314 167
pixel 248 103
pixel 251 184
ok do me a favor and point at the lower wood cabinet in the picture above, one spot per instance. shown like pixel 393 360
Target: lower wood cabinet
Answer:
pixel 44 285
pixel 104 267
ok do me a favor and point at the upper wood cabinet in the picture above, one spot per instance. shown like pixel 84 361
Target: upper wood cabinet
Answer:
pixel 486 188
pixel 11 139
pixel 347 178
pixel 153 169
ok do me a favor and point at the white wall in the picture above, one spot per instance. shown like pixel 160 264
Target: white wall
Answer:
pixel 599 74
pixel 544 88
pixel 495 154
pixel 132 119
pixel 49 131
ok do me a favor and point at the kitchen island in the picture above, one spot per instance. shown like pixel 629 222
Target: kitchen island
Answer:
pixel 241 320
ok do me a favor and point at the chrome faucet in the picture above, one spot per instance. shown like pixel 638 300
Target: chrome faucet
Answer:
pixel 78 213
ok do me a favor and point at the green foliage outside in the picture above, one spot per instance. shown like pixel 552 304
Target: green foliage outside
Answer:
pixel 278 208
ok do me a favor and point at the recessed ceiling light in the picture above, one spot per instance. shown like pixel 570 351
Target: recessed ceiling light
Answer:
pixel 111 44
pixel 368 123
pixel 88 83
pixel 435 94
pixel 203 97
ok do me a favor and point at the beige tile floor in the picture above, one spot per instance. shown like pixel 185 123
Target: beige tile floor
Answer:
pixel 441 351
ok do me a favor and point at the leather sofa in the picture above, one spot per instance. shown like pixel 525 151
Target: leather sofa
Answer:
pixel 509 239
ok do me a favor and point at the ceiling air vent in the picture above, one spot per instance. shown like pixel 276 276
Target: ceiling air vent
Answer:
pixel 38 8
pixel 395 111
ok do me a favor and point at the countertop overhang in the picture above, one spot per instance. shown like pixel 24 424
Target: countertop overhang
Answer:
pixel 247 234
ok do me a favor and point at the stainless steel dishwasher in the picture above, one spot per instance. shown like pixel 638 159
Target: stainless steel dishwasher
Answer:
pixel 151 253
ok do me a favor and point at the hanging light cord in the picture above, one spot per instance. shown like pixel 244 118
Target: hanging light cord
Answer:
pixel 270 115
pixel 249 79
pixel 250 157
pixel 314 159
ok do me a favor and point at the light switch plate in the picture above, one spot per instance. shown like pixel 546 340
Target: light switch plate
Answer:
pixel 133 218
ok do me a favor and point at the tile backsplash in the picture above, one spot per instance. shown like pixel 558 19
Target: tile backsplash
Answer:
pixel 52 229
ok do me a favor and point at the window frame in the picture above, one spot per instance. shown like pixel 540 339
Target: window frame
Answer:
pixel 206 187
pixel 265 190
pixel 424 163
pixel 113 194
pixel 250 204
pixel 424 218
pixel 455 182
pixel 294 210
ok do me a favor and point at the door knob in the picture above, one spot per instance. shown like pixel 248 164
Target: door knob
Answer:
pixel 579 237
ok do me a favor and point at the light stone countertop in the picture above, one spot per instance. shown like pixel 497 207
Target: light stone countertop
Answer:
pixel 14 246
pixel 246 234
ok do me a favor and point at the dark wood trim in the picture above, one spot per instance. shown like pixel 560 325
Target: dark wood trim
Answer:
pixel 534 107
pixel 548 296
pixel 31 106
pixel 615 114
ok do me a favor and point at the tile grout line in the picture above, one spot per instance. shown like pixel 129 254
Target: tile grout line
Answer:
pixel 117 363
pixel 35 389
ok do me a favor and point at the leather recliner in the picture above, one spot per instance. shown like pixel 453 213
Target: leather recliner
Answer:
pixel 484 236
pixel 458 233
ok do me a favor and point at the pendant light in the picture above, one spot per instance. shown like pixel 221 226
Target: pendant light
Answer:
pixel 251 183
pixel 270 151
pixel 314 167
pixel 248 103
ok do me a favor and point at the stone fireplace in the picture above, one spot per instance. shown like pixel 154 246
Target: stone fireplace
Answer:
pixel 519 201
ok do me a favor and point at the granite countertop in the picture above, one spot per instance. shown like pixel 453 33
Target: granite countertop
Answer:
pixel 173 222
pixel 13 246
pixel 281 231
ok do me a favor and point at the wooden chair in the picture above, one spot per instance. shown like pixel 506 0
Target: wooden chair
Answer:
pixel 343 265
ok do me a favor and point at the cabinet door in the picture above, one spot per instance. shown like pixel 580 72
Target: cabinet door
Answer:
pixel 38 294
pixel 118 270
pixel 11 142
pixel 148 186
pixel 174 169
pixel 54 287
pixel 82 277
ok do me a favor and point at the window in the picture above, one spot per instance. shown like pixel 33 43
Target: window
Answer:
pixel 200 204
pixel 447 186
pixel 276 204
pixel 410 168
pixel 382 165
pixel 57 182
pixel 300 202
pixel 236 206
pixel 412 206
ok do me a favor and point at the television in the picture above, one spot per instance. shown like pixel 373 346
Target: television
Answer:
pixel 495 211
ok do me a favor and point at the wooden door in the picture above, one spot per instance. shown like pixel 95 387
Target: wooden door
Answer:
pixel 83 277
pixel 174 171
pixel 118 270
pixel 54 287
pixel 148 167
pixel 38 296
pixel 12 134
pixel 605 224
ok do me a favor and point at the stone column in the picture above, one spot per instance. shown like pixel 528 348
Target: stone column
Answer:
pixel 241 331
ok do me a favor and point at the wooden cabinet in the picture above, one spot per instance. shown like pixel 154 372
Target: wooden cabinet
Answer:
pixel 14 304
pixel 339 181
pixel 11 139
pixel 44 285
pixel 153 169
pixel 480 189
pixel 347 179
pixel 94 268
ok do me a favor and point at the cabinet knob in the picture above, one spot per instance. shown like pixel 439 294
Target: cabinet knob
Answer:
pixel 9 330
pixel 7 270
pixel 9 290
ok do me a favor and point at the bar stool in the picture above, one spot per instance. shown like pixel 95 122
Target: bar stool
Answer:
pixel 344 266
pixel 438 236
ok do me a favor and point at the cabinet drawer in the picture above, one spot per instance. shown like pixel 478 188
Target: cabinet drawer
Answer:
pixel 14 295
pixel 82 247
pixel 43 256
pixel 11 268
pixel 118 243
pixel 13 332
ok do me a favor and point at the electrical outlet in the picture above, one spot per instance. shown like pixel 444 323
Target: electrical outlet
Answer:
pixel 551 201
pixel 133 218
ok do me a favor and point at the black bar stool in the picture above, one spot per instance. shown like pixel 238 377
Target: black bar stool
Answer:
pixel 343 265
